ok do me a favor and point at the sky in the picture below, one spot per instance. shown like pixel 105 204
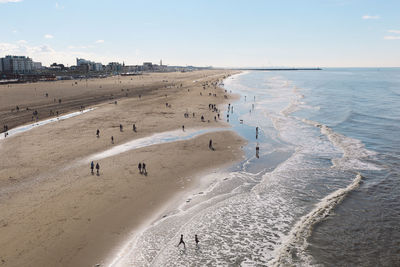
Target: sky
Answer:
pixel 219 33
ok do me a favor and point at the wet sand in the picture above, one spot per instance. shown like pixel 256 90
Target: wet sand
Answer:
pixel 54 212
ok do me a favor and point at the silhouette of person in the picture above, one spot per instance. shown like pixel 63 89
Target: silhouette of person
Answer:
pixel 144 168
pixel 182 242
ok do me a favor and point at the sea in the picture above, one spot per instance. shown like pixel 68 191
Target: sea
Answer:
pixel 322 189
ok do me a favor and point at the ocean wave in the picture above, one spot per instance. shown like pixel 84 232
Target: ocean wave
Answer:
pixel 296 242
pixel 354 150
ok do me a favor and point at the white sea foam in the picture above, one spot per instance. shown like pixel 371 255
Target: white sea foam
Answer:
pixel 254 219
pixel 354 151
pixel 296 241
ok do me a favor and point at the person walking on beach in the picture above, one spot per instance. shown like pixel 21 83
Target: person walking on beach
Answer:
pixel 98 133
pixel 140 167
pixel 134 127
pixel 120 127
pixel 257 151
pixel 210 146
pixel 144 168
pixel 183 127
pixel 196 239
pixel 112 139
pixel 182 242
pixel 92 167
pixel 98 168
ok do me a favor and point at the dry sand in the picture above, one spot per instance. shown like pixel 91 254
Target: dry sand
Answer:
pixel 53 212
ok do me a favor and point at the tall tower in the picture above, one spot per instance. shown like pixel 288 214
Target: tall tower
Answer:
pixel 160 62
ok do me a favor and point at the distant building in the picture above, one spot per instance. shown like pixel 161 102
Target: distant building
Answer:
pixel 147 66
pixel 37 65
pixel 114 67
pixel 89 65
pixel 81 61
pixel 17 64
pixel 97 67
pixel 1 65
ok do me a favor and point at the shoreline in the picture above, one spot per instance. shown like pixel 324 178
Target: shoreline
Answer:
pixel 202 181
pixel 77 218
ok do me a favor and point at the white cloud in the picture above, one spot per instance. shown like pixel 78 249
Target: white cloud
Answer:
pixel 47 55
pixel 371 17
pixel 48 36
pixel 394 31
pixel 99 41
pixel 391 37
pixel 58 6
pixel 9 1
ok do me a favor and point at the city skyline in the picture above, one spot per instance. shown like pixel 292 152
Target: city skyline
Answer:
pixel 333 33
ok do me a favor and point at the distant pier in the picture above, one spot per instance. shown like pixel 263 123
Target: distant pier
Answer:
pixel 278 69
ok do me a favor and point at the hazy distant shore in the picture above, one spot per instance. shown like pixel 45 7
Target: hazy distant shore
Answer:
pixel 54 212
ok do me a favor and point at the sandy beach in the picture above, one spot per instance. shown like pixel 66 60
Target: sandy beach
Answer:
pixel 53 211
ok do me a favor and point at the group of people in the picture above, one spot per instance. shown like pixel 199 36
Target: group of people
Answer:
pixel 181 242
pixel 35 115
pixel 142 168
pixel 97 168
pixel 186 115
pixel 120 129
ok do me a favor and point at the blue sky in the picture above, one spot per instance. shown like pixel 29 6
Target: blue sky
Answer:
pixel 221 33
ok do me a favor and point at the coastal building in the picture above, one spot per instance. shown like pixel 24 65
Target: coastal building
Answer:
pixel 97 67
pixel 17 64
pixel 37 65
pixel 114 67
pixel 1 65
pixel 147 66
pixel 88 65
